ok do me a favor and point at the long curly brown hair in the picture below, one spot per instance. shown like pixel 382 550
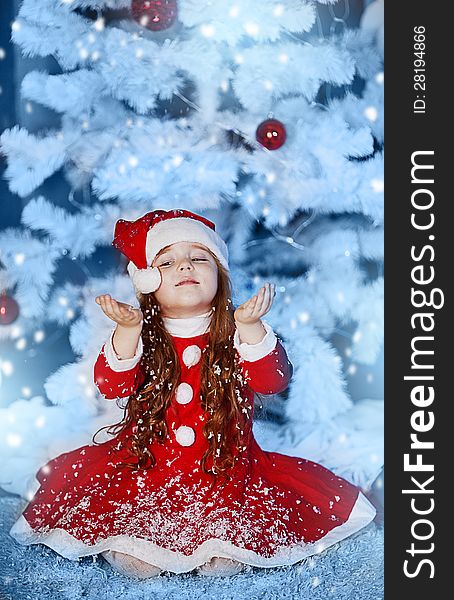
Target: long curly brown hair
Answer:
pixel 222 388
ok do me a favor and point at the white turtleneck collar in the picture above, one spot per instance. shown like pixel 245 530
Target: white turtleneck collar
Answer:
pixel 188 327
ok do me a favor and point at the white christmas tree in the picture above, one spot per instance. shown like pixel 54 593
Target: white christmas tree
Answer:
pixel 244 112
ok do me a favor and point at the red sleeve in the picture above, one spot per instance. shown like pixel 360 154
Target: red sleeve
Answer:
pixel 115 384
pixel 270 374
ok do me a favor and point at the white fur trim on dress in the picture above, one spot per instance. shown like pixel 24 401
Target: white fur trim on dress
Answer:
pixel 184 393
pixel 191 356
pixel 121 364
pixel 253 352
pixel 182 229
pixel 176 562
pixel 185 435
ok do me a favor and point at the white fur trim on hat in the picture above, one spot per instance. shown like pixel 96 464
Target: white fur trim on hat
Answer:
pixel 144 280
pixel 183 229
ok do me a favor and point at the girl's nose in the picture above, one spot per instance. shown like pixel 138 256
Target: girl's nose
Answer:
pixel 185 264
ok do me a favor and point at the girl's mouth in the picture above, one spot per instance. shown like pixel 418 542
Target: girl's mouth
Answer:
pixel 187 282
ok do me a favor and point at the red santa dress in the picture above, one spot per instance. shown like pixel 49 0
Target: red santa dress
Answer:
pixel 275 511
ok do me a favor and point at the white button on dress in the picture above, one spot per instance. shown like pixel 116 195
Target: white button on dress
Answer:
pixel 191 355
pixel 185 436
pixel 184 393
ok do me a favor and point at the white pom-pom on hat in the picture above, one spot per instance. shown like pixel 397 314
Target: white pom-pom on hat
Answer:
pixel 145 280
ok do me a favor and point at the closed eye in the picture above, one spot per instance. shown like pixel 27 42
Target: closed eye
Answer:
pixel 168 262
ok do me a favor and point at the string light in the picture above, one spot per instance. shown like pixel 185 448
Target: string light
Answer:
pixel 99 23
pixel 21 343
pixel 13 440
pixel 40 421
pixel 251 29
pixel 357 336
pixel 16 331
pixel 207 30
pixel 339 20
pixel 371 113
pixel 377 185
pixel 38 336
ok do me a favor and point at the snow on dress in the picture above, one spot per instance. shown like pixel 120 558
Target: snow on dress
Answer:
pixel 275 511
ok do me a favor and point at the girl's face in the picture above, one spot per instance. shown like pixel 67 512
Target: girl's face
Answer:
pixel 189 280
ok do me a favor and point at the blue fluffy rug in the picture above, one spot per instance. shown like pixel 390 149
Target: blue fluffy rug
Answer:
pixel 349 570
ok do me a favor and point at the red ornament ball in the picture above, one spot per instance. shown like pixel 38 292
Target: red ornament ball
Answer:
pixel 9 309
pixel 271 134
pixel 155 15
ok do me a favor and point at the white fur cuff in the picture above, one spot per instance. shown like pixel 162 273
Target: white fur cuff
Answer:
pixel 253 352
pixel 121 364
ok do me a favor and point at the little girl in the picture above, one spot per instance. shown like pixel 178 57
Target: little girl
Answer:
pixel 183 484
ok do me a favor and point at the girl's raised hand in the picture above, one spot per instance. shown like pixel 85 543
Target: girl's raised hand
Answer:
pixel 123 314
pixel 251 311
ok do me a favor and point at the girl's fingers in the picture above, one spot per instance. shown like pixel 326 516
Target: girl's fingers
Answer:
pixel 104 306
pixel 129 314
pixel 125 309
pixel 259 304
pixel 249 305
pixel 254 303
pixel 115 310
pixel 266 300
pixel 121 312
pixel 110 307
pixel 272 292
pixel 263 294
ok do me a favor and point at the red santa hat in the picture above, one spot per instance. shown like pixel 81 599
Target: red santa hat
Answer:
pixel 143 239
